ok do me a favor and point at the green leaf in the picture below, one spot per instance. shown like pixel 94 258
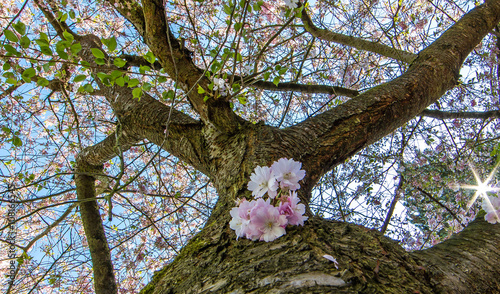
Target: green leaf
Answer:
pixel 162 79
pixel 137 93
pixel 6 66
pixel 118 62
pixel 12 81
pixel 47 67
pixel 44 36
pixel 276 81
pixel 8 74
pixel 29 72
pixel 227 9
pixel 43 82
pixel 42 42
pixel 100 61
pixel 201 90
pixel 72 14
pixel 62 45
pixel 25 42
pixel 150 57
pixel 146 86
pixel 20 27
pixel 46 50
pixel 88 88
pixel 133 83
pixel 79 78
pixel 266 75
pixel 97 53
pixel 115 74
pixel 63 17
pixel 236 87
pixel 144 68
pixel 11 36
pixel 69 37
pixel 62 54
pixel 75 48
pixel 237 26
pixel 120 81
pixel 242 100
pixel 16 141
pixel 111 44
pixel 168 95
pixel 85 64
pixel 102 76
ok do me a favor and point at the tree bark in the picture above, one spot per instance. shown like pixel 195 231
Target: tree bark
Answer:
pixel 215 262
pixel 104 277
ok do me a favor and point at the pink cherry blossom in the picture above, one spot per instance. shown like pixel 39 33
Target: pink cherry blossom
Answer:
pixel 293 211
pixel 267 220
pixel 492 208
pixel 288 173
pixel 240 222
pixel 262 181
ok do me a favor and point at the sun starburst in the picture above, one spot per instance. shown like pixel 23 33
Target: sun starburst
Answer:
pixel 482 187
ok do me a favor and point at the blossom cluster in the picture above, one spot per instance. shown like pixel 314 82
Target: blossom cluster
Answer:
pixel 220 85
pixel 266 219
pixel 492 208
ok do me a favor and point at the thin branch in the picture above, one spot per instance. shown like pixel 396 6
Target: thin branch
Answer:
pixel 355 42
pixel 440 204
pixel 303 88
pixel 50 227
pixel 452 115
pixel 394 201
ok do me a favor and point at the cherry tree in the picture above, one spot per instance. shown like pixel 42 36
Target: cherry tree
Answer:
pixel 250 146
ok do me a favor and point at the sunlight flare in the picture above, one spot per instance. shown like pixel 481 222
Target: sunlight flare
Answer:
pixel 482 188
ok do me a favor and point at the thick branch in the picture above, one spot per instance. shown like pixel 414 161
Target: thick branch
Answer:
pixel 134 60
pixel 355 42
pixel 104 278
pixel 451 115
pixel 177 62
pixel 131 11
pixel 172 130
pixel 467 262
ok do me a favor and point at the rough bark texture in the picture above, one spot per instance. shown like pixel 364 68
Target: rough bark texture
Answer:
pixel 215 262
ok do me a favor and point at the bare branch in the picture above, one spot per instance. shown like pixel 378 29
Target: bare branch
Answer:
pixel 355 42
pixel 302 88
pixel 440 204
pixel 469 253
pixel 461 115
pixel 394 201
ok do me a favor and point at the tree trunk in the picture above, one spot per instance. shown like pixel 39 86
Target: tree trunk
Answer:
pixel 215 262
